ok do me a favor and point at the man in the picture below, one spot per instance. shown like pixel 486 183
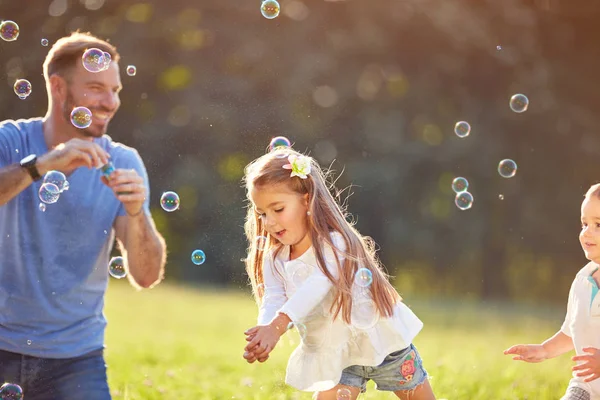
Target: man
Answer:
pixel 54 263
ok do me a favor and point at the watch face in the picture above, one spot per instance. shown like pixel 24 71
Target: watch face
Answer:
pixel 28 159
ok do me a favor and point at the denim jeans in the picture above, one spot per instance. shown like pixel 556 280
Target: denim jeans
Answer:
pixel 77 378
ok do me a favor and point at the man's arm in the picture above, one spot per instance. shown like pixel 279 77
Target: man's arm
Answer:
pixel 143 248
pixel 66 157
pixel 13 180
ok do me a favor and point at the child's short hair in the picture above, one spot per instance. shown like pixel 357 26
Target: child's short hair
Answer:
pixel 593 191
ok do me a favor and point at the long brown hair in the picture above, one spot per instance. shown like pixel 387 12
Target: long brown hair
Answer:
pixel 326 216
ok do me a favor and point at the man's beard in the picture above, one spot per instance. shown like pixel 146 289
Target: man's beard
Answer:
pixel 68 107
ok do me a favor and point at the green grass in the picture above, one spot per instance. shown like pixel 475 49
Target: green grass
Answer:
pixel 182 343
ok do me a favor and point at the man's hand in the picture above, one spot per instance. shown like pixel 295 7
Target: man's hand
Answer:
pixel 129 189
pixel 71 155
pixel 590 366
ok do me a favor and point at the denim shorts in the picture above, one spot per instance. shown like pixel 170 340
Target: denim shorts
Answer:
pixel 400 370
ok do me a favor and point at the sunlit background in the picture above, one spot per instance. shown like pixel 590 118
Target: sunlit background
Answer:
pixel 374 90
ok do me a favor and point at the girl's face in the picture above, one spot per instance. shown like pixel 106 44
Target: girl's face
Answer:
pixel 590 228
pixel 283 213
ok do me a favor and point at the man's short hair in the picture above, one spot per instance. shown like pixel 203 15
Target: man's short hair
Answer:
pixel 68 50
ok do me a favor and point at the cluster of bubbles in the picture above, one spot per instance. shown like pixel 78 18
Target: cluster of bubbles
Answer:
pixel 54 183
pixel 9 31
pixel 95 60
pixel 463 199
pixel 270 9
pixel 11 391
pixel 116 267
pixel 507 168
pixel 81 117
pixel 22 88
pixel 169 201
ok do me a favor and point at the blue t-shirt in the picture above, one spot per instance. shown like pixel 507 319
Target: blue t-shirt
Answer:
pixel 54 264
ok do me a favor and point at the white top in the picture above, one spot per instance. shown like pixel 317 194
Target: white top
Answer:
pixel 582 322
pixel 299 289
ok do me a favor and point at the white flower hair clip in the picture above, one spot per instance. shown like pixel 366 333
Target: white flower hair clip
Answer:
pixel 300 166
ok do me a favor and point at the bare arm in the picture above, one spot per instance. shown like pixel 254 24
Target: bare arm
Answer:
pixel 13 180
pixel 557 345
pixel 73 154
pixel 143 247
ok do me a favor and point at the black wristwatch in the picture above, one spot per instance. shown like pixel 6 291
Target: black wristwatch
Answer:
pixel 29 164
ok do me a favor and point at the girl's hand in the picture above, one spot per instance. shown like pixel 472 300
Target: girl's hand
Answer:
pixel 532 353
pixel 263 339
pixel 250 356
pixel 590 366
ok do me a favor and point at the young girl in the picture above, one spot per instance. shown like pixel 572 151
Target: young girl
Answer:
pixel 581 328
pixel 311 268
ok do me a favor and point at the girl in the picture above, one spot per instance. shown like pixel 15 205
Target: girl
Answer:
pixel 581 328
pixel 311 268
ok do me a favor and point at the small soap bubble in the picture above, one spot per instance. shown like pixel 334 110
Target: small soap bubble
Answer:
pixel 301 329
pixel 498 47
pixel 42 207
pixel 198 257
pixel 29 342
pixel 343 394
pixel 464 200
pixel 107 60
pixel 460 185
pixel 11 391
pixel 300 275
pixel 462 129
pixel 116 267
pixel 49 193
pixel 22 88
pixel 93 60
pixel 169 201
pixel 131 70
pixel 279 143
pixel 81 117
pixel 507 168
pixel 270 9
pixel 519 103
pixel 501 196
pixel 363 277
pixel 364 314
pixel 9 31
pixel 44 42
pixel 261 242
pixel 57 178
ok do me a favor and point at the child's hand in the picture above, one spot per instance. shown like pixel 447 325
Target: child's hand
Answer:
pixel 532 353
pixel 262 340
pixel 590 366
pixel 250 356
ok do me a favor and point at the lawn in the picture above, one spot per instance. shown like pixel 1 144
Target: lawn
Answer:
pixel 175 342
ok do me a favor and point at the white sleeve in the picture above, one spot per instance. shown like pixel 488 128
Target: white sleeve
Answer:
pixel 274 292
pixel 566 326
pixel 316 287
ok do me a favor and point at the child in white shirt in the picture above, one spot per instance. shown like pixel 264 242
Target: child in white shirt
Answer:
pixel 311 268
pixel 581 328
